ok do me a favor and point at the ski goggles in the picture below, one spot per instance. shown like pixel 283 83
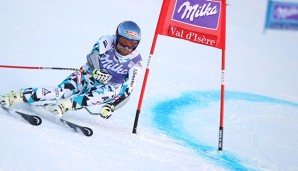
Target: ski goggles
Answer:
pixel 124 42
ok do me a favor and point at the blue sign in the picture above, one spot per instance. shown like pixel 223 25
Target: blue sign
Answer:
pixel 282 15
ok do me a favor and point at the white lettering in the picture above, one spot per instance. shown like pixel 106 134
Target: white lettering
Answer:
pixel 191 12
pixel 176 32
pixel 110 65
pixel 285 12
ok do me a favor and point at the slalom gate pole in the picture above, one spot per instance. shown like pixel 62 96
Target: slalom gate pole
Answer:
pixel 37 67
pixel 222 100
pixel 222 88
pixel 144 85
pixel 159 27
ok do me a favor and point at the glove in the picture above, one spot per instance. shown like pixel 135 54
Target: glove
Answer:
pixel 107 110
pixel 101 76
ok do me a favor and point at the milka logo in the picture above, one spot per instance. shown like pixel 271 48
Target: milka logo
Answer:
pixel 111 65
pixel 285 12
pixel 201 13
pixel 191 12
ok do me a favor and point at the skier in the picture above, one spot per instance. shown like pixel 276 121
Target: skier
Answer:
pixel 107 78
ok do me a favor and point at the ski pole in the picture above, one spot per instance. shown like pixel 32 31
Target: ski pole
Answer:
pixel 91 113
pixel 36 67
pixel 50 68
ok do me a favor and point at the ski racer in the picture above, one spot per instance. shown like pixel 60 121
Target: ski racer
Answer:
pixel 108 77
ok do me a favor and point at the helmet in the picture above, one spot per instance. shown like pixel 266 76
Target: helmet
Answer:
pixel 130 31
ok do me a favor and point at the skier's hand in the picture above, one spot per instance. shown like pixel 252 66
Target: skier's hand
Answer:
pixel 101 76
pixel 107 110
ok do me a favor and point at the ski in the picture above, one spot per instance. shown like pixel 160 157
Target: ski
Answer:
pixel 31 119
pixel 77 128
pixel 59 121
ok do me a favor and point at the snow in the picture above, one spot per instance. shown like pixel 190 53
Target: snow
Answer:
pixel 178 126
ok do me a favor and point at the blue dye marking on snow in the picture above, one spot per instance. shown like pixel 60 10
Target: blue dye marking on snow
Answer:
pixel 171 107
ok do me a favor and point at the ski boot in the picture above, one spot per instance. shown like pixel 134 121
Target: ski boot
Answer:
pixel 60 107
pixel 11 98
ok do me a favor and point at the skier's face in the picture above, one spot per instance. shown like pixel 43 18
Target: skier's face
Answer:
pixel 123 50
pixel 124 42
pixel 125 46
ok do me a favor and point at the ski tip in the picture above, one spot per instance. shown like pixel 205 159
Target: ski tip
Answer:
pixel 87 131
pixel 35 121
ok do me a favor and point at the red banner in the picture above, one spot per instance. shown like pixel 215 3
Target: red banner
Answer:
pixel 199 21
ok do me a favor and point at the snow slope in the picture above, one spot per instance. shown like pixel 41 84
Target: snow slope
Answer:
pixel 178 127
